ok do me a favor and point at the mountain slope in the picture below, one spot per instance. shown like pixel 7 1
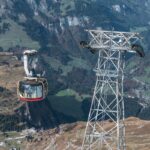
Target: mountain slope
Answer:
pixel 55 28
pixel 70 136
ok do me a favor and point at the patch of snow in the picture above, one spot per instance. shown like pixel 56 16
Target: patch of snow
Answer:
pixel 55 1
pixel 130 96
pixel 141 126
pixel 116 8
pixel 36 13
pixel 124 6
pixel 19 142
pixel 2 9
pixel 25 132
pixel 15 138
pixel 62 23
pixel 86 18
pixel 2 144
pixel 73 21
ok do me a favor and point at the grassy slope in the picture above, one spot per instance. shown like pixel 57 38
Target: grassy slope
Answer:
pixel 16 36
pixel 75 62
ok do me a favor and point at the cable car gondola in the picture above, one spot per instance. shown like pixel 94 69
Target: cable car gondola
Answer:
pixel 34 87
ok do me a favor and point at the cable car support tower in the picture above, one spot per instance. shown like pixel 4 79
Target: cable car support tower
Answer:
pixel 107 102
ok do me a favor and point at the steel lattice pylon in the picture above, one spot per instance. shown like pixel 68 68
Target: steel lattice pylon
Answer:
pixel 107 102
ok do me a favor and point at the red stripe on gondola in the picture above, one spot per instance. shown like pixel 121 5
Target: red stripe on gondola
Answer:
pixel 31 99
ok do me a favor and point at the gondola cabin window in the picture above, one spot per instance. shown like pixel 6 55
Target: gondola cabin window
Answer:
pixel 31 91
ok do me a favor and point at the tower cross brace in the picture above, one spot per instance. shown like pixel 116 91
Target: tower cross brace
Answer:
pixel 105 129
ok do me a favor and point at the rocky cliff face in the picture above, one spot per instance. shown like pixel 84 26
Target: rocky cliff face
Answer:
pixel 55 28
